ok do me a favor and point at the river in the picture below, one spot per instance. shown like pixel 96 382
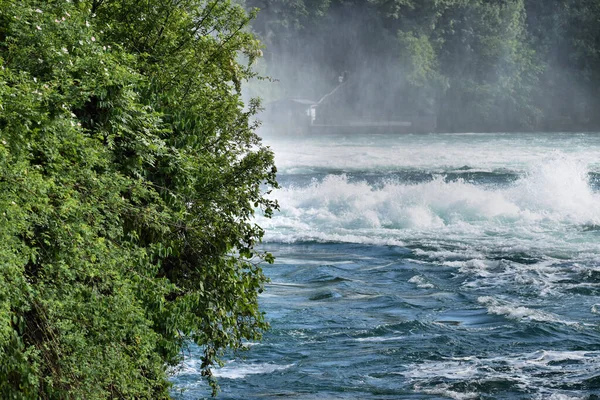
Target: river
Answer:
pixel 441 266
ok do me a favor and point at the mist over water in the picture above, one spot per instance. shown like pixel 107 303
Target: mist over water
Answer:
pixel 440 266
pixel 484 66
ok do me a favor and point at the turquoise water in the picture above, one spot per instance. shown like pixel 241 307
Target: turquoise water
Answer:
pixel 443 266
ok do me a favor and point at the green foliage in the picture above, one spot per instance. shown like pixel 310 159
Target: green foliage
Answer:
pixel 129 173
pixel 567 35
pixel 286 17
pixel 491 68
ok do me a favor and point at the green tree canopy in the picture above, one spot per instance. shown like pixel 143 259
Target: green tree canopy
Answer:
pixel 129 173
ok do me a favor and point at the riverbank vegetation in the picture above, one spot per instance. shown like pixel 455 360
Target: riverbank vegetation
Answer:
pixel 508 65
pixel 129 171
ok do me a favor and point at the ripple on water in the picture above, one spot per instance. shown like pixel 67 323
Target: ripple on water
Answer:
pixel 428 267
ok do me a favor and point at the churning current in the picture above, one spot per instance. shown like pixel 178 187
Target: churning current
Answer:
pixel 442 266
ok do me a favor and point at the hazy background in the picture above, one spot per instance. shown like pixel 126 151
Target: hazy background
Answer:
pixel 501 65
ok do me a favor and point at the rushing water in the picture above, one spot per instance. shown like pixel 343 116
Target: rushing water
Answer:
pixel 428 267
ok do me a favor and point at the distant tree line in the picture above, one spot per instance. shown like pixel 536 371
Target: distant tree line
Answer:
pixel 502 65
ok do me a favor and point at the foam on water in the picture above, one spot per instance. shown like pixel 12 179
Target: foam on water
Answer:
pixel 546 209
pixel 527 373
pixel 232 370
pixel 421 282
pixel 558 189
pixel 239 371
pixel 520 312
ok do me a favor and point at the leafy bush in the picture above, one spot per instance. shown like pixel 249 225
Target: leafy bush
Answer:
pixel 129 173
